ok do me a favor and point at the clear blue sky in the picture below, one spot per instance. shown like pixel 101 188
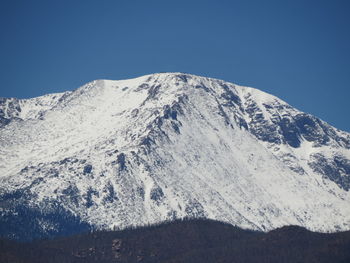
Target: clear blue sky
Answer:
pixel 298 50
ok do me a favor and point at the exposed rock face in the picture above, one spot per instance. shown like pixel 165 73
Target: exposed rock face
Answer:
pixel 165 146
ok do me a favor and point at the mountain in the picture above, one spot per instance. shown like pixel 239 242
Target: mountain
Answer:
pixel 114 154
pixel 185 241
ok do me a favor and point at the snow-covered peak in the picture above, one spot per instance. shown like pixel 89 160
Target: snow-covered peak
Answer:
pixel 169 145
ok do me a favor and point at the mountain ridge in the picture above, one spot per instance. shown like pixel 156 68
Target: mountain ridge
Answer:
pixel 172 145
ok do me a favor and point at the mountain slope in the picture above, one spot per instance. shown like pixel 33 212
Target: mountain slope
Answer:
pixel 165 146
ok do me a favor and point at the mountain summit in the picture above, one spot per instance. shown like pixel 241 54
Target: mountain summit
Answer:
pixel 166 146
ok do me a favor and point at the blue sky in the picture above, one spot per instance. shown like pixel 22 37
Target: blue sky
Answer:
pixel 298 50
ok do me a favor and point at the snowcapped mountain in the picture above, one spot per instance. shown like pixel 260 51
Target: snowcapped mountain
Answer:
pixel 165 146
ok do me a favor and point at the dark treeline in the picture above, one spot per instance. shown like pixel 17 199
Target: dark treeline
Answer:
pixel 198 240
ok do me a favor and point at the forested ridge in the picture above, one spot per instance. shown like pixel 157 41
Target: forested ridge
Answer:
pixel 198 240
